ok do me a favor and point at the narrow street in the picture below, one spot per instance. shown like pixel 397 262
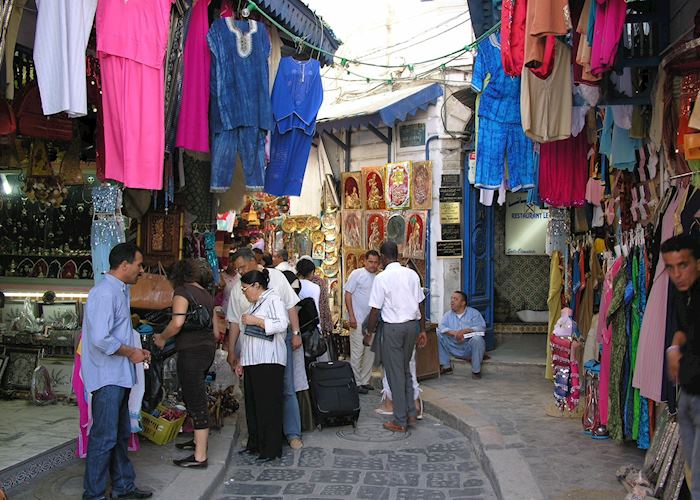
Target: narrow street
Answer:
pixel 431 461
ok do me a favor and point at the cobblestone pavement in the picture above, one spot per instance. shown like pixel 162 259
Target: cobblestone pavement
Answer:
pixel 565 462
pixel 431 461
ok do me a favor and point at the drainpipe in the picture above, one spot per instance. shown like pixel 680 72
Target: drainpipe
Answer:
pixel 427 236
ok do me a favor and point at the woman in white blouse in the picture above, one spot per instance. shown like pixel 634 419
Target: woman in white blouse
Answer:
pixel 262 362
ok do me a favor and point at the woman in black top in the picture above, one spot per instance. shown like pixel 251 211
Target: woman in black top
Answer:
pixel 195 347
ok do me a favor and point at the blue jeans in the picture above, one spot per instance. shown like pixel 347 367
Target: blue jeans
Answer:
pixel 473 348
pixel 689 422
pixel 290 410
pixel 108 444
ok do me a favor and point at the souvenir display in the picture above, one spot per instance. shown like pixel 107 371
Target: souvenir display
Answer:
pixel 415 234
pixel 396 230
pixel 352 229
pixel 373 188
pixel 351 260
pixel 375 228
pixel 398 185
pixel 352 198
pixel 422 180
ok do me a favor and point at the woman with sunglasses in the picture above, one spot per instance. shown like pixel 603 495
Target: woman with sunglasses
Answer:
pixel 262 361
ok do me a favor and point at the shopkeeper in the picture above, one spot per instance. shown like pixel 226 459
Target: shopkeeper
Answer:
pixel 681 256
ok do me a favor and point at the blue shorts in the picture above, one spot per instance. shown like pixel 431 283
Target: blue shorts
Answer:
pixel 498 142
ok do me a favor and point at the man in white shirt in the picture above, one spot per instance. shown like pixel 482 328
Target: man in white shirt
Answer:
pixel 280 259
pixel 461 334
pixel 357 290
pixel 397 292
pixel 244 261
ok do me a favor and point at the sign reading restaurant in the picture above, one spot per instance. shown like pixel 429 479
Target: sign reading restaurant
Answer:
pixel 526 226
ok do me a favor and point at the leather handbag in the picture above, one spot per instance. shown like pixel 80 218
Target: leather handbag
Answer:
pixel 198 317
pixel 31 121
pixel 152 291
pixel 257 332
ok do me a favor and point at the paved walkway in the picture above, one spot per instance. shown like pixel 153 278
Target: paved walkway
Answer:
pixel 531 454
pixel 431 461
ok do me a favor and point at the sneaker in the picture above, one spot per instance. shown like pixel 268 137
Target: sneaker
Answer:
pixel 296 443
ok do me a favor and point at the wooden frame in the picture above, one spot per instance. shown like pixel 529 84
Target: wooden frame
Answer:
pixel 375 229
pixel 398 185
pixel 422 185
pixel 21 365
pixel 351 183
pixel 373 188
pixel 161 238
pixel 352 228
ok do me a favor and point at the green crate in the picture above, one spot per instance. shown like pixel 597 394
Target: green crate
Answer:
pixel 158 429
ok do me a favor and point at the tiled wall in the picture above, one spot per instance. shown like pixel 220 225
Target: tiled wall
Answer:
pixel 522 281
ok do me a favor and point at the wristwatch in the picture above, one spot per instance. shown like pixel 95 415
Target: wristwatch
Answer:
pixel 296 332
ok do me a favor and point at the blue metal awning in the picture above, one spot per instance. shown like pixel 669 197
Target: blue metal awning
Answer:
pixel 383 109
pixel 298 18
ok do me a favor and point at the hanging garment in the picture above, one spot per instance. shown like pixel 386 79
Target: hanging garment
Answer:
pixel 582 48
pixel 500 134
pixel 617 145
pixel 564 171
pixel 609 20
pixel 107 227
pixel 10 43
pixel 649 363
pixel 553 304
pixel 617 320
pixel 545 18
pixel 193 119
pixel 62 32
pixel 513 15
pixel 584 314
pixel 296 99
pixel 546 105
pixel 132 38
pixel 604 336
pixel 240 99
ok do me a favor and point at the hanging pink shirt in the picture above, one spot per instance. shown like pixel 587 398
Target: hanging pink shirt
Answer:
pixel 604 338
pixel 193 121
pixel 609 20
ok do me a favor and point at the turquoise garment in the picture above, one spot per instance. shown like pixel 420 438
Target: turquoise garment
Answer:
pixel 591 22
pixel 617 145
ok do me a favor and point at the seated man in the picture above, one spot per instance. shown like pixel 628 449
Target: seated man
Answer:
pixel 461 334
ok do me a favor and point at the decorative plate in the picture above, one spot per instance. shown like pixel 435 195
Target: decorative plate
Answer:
pixel 289 225
pixel 318 236
pixel 313 223
pixel 328 221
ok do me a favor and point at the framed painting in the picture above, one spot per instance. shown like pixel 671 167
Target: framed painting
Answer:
pixel 375 227
pixel 352 190
pixel 398 185
pixel 422 189
pixel 353 232
pixel 20 368
pixel 161 238
pixel 414 246
pixel 351 260
pixel 373 186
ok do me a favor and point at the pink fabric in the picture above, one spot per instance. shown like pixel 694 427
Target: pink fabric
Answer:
pixel 649 366
pixel 604 337
pixel 609 20
pixel 83 409
pixel 564 171
pixel 193 121
pixel 133 102
pixel 132 38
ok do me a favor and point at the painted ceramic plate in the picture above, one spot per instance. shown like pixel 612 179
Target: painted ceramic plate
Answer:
pixel 289 225
pixel 330 247
pixel 318 236
pixel 328 221
pixel 313 223
pixel 329 271
pixel 330 260
pixel 301 224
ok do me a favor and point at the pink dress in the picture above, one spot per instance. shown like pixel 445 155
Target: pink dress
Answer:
pixel 193 121
pixel 649 367
pixel 604 338
pixel 564 172
pixel 132 38
pixel 609 20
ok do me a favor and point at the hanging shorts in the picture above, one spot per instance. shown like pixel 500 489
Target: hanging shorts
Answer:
pixel 249 143
pixel 134 122
pixel 496 141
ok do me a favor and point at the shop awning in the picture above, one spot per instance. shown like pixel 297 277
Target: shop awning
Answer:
pixel 298 18
pixel 383 109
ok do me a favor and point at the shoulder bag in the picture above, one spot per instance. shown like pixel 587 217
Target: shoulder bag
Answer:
pixel 257 331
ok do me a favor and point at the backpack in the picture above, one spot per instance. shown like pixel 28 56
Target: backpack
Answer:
pixel 308 315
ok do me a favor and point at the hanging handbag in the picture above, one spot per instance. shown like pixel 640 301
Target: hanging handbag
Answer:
pixel 314 343
pixel 152 291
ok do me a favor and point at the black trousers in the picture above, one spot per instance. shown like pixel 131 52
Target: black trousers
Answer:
pixel 192 367
pixel 263 408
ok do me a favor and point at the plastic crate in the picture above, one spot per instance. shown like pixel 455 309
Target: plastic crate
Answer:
pixel 158 429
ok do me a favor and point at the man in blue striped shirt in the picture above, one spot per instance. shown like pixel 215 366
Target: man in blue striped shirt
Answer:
pixel 461 334
pixel 108 369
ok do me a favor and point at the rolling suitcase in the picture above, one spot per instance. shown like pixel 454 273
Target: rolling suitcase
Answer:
pixel 334 393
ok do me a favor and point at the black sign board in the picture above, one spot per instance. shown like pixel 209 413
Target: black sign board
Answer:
pixel 450 180
pixel 451 232
pixel 452 193
pixel 411 134
pixel 452 248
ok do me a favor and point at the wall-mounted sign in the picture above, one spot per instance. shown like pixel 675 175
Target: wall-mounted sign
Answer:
pixel 411 135
pixel 451 232
pixel 450 180
pixel 450 212
pixel 526 226
pixel 451 193
pixel 449 249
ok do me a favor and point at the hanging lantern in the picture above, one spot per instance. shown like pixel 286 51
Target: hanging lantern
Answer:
pixel 253 219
